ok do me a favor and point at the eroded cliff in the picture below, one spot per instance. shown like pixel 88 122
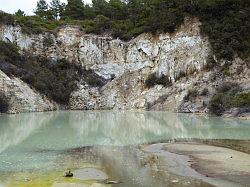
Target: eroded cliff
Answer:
pixel 21 98
pixel 184 57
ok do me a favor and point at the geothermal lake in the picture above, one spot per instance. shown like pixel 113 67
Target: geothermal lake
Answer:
pixel 37 148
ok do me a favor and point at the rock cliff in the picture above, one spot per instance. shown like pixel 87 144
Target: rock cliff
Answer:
pixel 21 98
pixel 182 56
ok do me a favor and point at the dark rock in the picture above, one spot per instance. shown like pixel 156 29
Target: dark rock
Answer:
pixel 68 174
pixel 237 112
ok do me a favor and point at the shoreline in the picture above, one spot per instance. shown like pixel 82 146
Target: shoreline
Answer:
pixel 208 163
pixel 247 117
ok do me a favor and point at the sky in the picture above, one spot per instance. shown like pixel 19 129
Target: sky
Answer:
pixel 11 6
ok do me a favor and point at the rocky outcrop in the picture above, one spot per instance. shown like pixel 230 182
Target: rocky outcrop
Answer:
pixel 21 98
pixel 190 94
pixel 170 54
pixel 237 112
pixel 181 56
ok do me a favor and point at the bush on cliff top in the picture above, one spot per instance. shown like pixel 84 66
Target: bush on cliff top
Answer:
pixel 226 22
pixel 9 52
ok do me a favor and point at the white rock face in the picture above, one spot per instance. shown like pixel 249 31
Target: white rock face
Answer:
pixel 170 54
pixel 183 52
pixel 21 98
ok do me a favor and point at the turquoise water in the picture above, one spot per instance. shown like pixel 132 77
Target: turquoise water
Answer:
pixel 35 141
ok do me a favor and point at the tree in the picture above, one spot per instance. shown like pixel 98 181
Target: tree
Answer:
pixel 101 7
pixel 102 24
pixel 89 12
pixel 19 13
pixel 56 7
pixel 117 9
pixel 74 10
pixel 136 10
pixel 164 16
pixel 41 9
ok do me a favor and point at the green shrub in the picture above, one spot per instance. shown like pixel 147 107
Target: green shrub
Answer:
pixel 7 19
pixel 4 106
pixel 9 52
pixel 228 87
pixel 56 79
pixel 216 104
pixel 211 63
pixel 228 96
pixel 241 100
pixel 48 41
pixel 88 26
pixel 153 80
pixel 225 22
pixel 102 24
pixel 192 93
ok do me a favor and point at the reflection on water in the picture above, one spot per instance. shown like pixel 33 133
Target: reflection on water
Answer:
pixel 61 130
pixel 38 141
pixel 16 128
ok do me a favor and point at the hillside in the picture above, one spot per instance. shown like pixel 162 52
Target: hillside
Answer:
pixel 182 56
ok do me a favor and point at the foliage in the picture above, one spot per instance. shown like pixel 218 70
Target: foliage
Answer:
pixel 153 80
pixel 36 25
pixel 192 93
pixel 9 52
pixel 3 103
pixel 6 18
pixel 48 41
pixel 19 13
pixel 56 8
pixel 101 24
pixel 228 96
pixel 56 79
pixel 242 100
pixel 226 22
pixel 74 10
pixel 42 9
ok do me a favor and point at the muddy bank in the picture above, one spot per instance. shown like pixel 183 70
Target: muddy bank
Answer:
pixel 215 165
pixel 238 145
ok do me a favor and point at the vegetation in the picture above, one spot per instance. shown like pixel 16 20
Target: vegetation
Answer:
pixel 57 80
pixel 226 22
pixel 192 93
pixel 9 52
pixel 3 103
pixel 228 96
pixel 153 80
pixel 204 92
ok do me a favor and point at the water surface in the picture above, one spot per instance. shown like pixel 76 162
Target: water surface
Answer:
pixel 53 141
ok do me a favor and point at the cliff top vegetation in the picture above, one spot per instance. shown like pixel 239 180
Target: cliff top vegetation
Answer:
pixel 226 22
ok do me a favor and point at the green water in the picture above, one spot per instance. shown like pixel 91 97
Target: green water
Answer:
pixel 40 141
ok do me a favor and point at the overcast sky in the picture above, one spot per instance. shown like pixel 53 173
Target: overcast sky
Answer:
pixel 11 6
